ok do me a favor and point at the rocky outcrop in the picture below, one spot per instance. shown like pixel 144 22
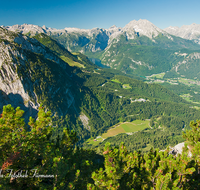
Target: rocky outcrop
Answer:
pixel 178 149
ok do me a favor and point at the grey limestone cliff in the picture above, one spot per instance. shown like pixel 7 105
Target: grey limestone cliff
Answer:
pixel 31 74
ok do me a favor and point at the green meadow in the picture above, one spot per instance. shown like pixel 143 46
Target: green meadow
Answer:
pixel 127 127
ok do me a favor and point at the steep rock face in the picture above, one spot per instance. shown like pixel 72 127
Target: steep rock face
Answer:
pixel 35 73
pixel 10 82
pixel 142 27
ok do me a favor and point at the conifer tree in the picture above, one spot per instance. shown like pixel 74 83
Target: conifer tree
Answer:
pixel 31 151
pixel 153 170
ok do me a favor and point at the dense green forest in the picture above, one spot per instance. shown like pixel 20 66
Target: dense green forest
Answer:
pixel 31 159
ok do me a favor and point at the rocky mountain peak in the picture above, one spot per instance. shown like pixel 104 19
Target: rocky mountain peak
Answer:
pixel 172 28
pixel 113 27
pixel 26 28
pixel 44 27
pixel 143 27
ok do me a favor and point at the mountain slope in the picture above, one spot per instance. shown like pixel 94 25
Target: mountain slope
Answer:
pixel 188 66
pixel 33 71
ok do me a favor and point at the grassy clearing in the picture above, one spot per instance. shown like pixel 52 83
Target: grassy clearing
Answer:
pixel 114 131
pixel 127 127
pixel 136 125
pixel 116 80
pixel 126 86
pixel 158 76
pixel 72 63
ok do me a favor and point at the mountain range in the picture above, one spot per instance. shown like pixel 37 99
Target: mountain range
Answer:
pixel 138 48
pixel 140 27
pixel 134 28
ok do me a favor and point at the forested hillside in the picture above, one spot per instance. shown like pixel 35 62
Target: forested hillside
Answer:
pixel 31 159
pixel 108 99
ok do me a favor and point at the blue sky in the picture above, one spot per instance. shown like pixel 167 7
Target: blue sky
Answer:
pixel 87 14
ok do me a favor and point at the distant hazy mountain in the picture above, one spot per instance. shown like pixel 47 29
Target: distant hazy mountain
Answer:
pixel 97 38
pixel 140 27
pixel 190 32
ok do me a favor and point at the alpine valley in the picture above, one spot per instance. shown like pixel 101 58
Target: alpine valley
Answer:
pixel 138 84
pixel 94 105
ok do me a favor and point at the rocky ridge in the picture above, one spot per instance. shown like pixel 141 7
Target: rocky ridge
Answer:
pixel 103 36
pixel 190 32
pixel 140 27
